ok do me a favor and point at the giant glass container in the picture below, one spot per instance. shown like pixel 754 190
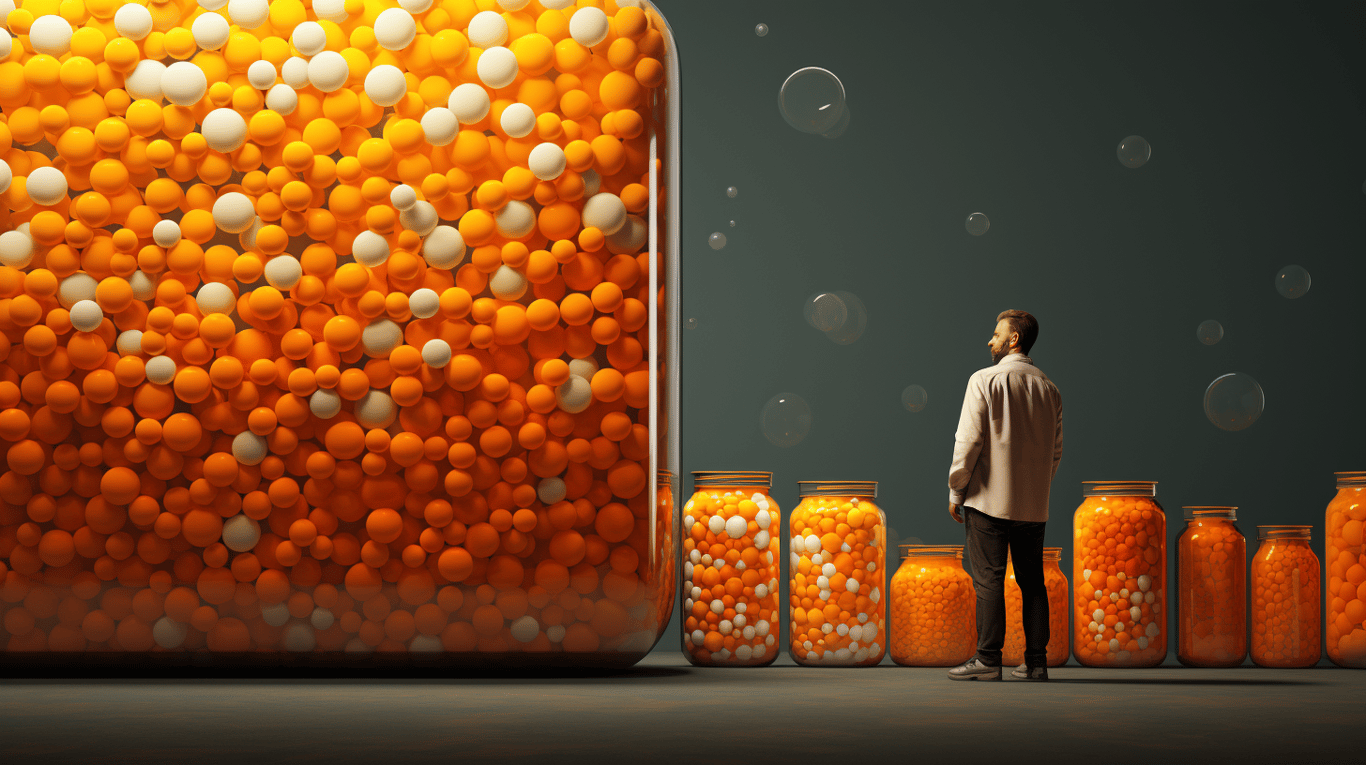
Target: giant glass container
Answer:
pixel 1059 639
pixel 380 377
pixel 1345 557
pixel 1285 598
pixel 1211 587
pixel 934 608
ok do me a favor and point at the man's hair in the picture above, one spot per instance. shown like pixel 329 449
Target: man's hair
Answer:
pixel 1024 324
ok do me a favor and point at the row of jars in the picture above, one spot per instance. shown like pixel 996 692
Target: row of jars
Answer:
pixel 837 607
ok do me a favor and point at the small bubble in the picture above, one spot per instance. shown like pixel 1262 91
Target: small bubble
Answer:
pixel 732 224
pixel 825 311
pixel 717 240
pixel 1234 401
pixel 1134 151
pixel 1210 332
pixel 761 29
pixel 977 224
pixel 1292 282
pixel 732 191
pixel 691 323
pixel 852 328
pixel 785 419
pixel 812 101
pixel 914 398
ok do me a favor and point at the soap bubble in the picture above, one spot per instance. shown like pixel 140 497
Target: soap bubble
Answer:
pixel 1234 401
pixel 812 101
pixel 786 419
pixel 691 323
pixel 1134 151
pixel 732 224
pixel 1210 332
pixel 1292 282
pixel 825 311
pixel 914 398
pixel 732 191
pixel 852 328
pixel 717 240
pixel 977 224
pixel 761 29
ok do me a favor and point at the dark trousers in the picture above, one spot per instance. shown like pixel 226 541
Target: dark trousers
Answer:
pixel 989 538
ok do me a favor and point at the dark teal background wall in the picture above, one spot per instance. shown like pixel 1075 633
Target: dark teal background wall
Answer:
pixel 1257 123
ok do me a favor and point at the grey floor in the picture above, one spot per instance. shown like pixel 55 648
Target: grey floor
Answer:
pixel 664 710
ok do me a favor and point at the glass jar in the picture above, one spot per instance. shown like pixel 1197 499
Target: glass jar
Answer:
pixel 1345 598
pixel 1285 598
pixel 730 570
pixel 1119 562
pixel 1211 586
pixel 439 453
pixel 934 608
pixel 839 537
pixel 1055 582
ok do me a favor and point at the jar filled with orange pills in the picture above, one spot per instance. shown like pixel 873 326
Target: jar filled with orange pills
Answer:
pixel 1119 562
pixel 1211 586
pixel 839 537
pixel 730 570
pixel 1286 611
pixel 934 608
pixel 1345 556
pixel 1059 642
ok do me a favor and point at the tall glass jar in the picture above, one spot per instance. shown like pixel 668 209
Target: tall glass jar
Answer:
pixel 1211 586
pixel 1285 598
pixel 1055 582
pixel 934 608
pixel 1119 562
pixel 1345 598
pixel 730 570
pixel 839 537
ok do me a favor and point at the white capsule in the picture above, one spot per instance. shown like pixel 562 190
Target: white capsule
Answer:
pixel 816 559
pixel 370 249
pixel 275 614
pixel 846 548
pixel 796 559
pixel 725 627
pixel 210 31
pixel 440 126
pixel 16 251
pixel 403 197
pixel 497 67
pixel 225 131
pixel 50 35
pixel 71 290
pixel 240 533
pixel 589 26
pixel 184 83
pixel 735 526
pixel 695 556
pixel 283 272
pixel 331 10
pixel 763 519
pixel 324 403
pixel 129 342
pixel 698 637
pixel 1144 582
pixel 828 569
pixel 761 591
pixel 247 447
pixel 524 629
pixel 1114 644
pixel 851 585
pixel 604 211
pixel 1114 597
pixel 1135 613
pixel 552 490
pixel 436 353
pixel 444 248
pixel 167 632
pixel 516 220
pixel 706 560
pixel 321 619
pixel 1153 630
pixel 295 72
pixel 309 38
pixel 761 539
pixel 166 233
pixel 574 395
pixel 142 286
pixel 86 316
pixel 547 161
pixel 717 524
pixel 823 582
pixel 215 297
pixel 1086 574
pixel 812 543
pixel 740 608
pixel 282 99
pixel 133 21
pixel 556 633
pixel 328 71
pixel 424 303
pixel 1098 615
pixel 386 85
pixel 1142 643
pixel 1149 597
pixel 261 74
pixel 46 186
pixel 717 606
pixel 1121 576
pixel 248 14
pixel 747 633
pixel 380 337
pixel 1119 626
pixel 395 29
pixel 518 120
pixel 488 29
pixel 584 368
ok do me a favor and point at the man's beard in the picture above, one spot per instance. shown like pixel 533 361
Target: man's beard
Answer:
pixel 996 355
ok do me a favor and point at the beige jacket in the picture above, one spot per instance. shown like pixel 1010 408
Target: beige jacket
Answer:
pixel 1009 441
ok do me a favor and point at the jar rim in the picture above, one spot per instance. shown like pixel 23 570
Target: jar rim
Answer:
pixel 837 489
pixel 931 551
pixel 1350 478
pixel 1218 512
pixel 1284 532
pixel 1119 488
pixel 756 478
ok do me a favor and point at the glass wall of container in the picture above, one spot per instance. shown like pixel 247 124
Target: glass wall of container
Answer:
pixel 1345 598
pixel 1211 586
pixel 1059 607
pixel 1285 598
pixel 934 608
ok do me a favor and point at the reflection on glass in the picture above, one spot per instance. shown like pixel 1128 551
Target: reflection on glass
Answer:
pixel 825 311
pixel 914 398
pixel 691 323
pixel 1234 401
pixel 812 101
pixel 1134 151
pixel 1210 332
pixel 761 29
pixel 852 328
pixel 1292 282
pixel 977 224
pixel 785 419
pixel 717 240
pixel 732 191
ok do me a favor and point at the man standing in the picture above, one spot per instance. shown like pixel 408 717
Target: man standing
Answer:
pixel 1007 449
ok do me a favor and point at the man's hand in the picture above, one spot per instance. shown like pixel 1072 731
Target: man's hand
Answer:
pixel 953 511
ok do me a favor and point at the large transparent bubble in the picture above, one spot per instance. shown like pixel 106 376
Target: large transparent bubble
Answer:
pixel 785 419
pixel 1209 332
pixel 825 311
pixel 1234 401
pixel 1292 282
pixel 857 321
pixel 731 191
pixel 977 224
pixel 914 398
pixel 812 100
pixel 1134 151
pixel 717 240
pixel 761 30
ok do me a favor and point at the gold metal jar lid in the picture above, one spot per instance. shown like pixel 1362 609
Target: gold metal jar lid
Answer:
pixel 1119 488
pixel 752 478
pixel 1353 478
pixel 837 489
pixel 931 551
pixel 1211 512
pixel 1284 532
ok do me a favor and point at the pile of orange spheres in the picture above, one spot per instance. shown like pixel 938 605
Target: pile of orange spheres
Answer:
pixel 326 326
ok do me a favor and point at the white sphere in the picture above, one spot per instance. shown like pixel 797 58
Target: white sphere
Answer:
pixel 507 283
pixel 557 5
pixel 247 447
pixel 629 238
pixel 415 6
pixel 380 337
pixel 436 353
pixel 46 186
pixel 309 38
pixel 234 212
pixel 283 99
pixel 330 10
pixel 469 102
pixel 551 490
pixel 261 74
pixel 606 212
pixel 212 5
pixel 518 120
pixel 295 72
pixel 395 29
pixel 169 633
pixel 444 248
pixel 283 272
pixel 584 368
pixel 516 220
pixel 421 218
pixel 184 83
pixel 145 79
pixel 249 14
pixel 424 303
pixel 386 85
pixel 166 233
pixel 71 290
pixel 513 5
pixel 224 130
pixel 16 251
pixel 574 395
pixel 210 31
pixel 440 126
pixel 321 619
pixel 592 183
pixel 50 35
pixel 497 67
pixel 241 533
pixel 369 249
pixel 524 629
pixel 324 403
pixel 328 71
pixel 375 410
pixel 160 370
pixel 129 342
pixel 133 21
pixel 547 161
pixel 86 316
pixel 403 197
pixel 215 297
pixel 6 174
pixel 142 286
pixel 488 29
pixel 588 26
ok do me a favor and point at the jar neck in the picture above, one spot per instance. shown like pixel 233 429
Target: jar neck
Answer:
pixel 728 488
pixel 1119 488
pixel 922 553
pixel 732 479
pixel 1353 479
pixel 1277 534
pixel 1203 513
pixel 858 489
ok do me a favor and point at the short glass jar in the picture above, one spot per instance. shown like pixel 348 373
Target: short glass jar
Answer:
pixel 1285 598
pixel 1345 598
pixel 1055 582
pixel 1211 582
pixel 934 608
pixel 839 537
pixel 730 569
